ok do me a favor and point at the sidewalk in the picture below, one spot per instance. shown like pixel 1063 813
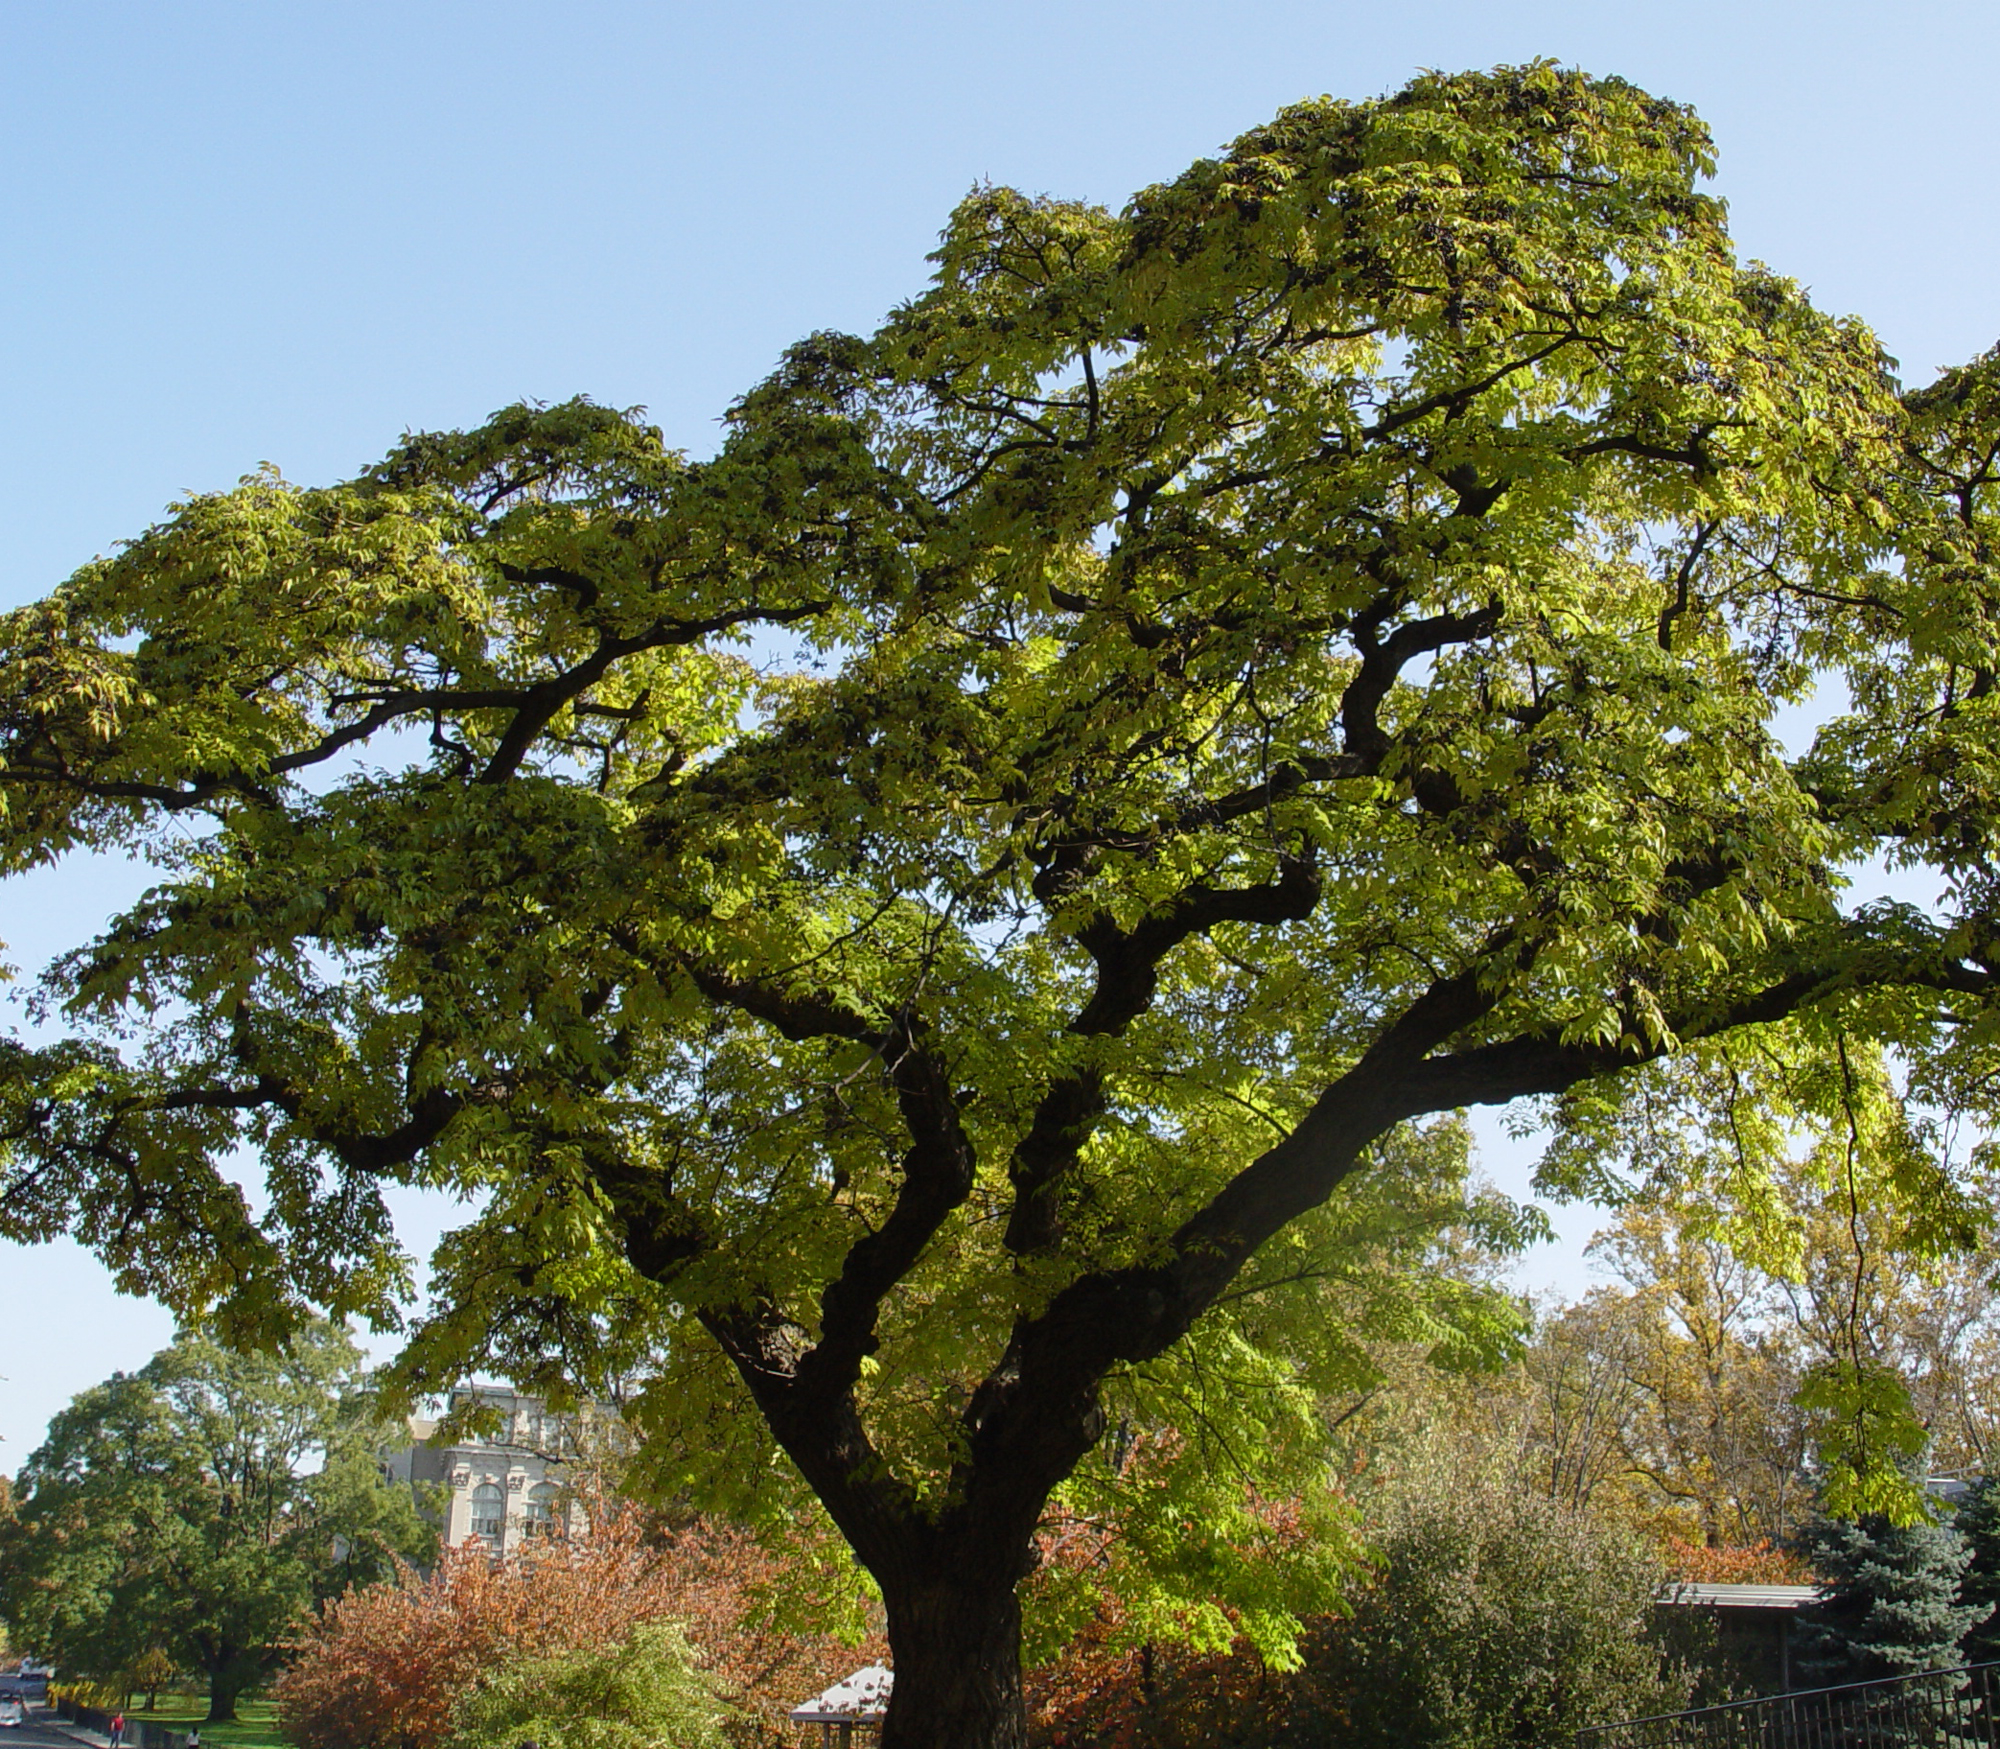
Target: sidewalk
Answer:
pixel 139 1733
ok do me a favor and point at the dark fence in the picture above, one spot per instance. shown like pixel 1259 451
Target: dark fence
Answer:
pixel 1940 1709
pixel 139 1733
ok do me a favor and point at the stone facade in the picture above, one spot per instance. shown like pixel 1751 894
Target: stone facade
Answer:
pixel 503 1487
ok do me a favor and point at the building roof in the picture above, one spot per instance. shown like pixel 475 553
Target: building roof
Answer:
pixel 864 1695
pixel 1741 1596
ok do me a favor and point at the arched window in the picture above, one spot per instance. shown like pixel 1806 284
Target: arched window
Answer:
pixel 489 1511
pixel 538 1517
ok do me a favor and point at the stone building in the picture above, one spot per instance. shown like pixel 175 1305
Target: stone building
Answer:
pixel 504 1486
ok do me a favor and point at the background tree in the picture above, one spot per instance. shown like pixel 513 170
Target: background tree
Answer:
pixel 1585 1397
pixel 1812 1314
pixel 1238 676
pixel 1717 1434
pixel 146 1675
pixel 1674 1391
pixel 1977 1520
pixel 196 1508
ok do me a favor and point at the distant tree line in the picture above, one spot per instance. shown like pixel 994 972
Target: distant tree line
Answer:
pixel 187 1517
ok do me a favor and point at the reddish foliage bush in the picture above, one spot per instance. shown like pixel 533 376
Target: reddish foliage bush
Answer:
pixel 1148 1697
pixel 1109 1693
pixel 383 1666
pixel 742 1607
pixel 1760 1563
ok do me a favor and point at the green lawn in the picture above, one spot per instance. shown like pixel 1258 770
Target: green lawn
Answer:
pixel 256 1725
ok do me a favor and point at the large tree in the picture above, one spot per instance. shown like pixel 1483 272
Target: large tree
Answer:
pixel 200 1507
pixel 904 922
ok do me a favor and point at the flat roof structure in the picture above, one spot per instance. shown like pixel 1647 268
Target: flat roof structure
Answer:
pixel 1754 1625
pixel 860 1699
pixel 1740 1596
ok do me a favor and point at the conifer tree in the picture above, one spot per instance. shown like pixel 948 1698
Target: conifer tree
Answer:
pixel 1889 1604
pixel 1978 1522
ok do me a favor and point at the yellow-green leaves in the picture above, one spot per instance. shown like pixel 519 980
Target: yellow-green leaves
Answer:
pixel 1017 829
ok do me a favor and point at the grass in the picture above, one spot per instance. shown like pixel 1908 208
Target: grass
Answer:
pixel 256 1725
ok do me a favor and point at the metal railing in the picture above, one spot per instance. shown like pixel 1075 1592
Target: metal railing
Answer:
pixel 1938 1709
pixel 139 1733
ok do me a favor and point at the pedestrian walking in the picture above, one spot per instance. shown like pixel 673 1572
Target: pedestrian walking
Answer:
pixel 194 1737
pixel 118 1731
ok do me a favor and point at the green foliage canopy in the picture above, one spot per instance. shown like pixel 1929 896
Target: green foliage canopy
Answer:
pixel 896 916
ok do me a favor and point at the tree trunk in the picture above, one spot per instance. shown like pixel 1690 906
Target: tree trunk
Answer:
pixel 222 1693
pixel 956 1639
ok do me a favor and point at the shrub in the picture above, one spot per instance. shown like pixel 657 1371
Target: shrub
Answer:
pixel 1758 1563
pixel 643 1692
pixel 384 1666
pixel 1500 1617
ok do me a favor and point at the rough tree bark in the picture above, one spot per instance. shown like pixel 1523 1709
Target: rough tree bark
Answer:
pixel 956 1634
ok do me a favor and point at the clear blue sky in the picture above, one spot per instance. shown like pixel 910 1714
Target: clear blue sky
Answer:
pixel 236 233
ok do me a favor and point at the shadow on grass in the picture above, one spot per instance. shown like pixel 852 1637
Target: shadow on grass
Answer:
pixel 255 1725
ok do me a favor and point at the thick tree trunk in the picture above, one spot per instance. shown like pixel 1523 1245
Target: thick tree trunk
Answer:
pixel 956 1639
pixel 222 1692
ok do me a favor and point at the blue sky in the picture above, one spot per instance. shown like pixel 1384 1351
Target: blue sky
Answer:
pixel 239 233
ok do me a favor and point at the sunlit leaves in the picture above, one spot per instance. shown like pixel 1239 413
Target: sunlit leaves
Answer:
pixel 1297 654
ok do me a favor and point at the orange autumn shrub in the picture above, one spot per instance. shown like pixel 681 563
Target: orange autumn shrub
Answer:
pixel 750 1614
pixel 1758 1563
pixel 1113 1685
pixel 383 1666
pixel 1112 1696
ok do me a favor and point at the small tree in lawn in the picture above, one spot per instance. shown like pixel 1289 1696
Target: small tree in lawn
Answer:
pixel 190 1511
pixel 146 1674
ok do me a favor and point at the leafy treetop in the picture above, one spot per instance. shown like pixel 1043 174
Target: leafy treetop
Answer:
pixel 895 917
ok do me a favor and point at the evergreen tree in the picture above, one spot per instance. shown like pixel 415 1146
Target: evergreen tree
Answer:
pixel 1978 1522
pixel 1889 1602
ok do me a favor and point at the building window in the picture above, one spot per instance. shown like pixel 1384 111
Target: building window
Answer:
pixel 489 1511
pixel 538 1516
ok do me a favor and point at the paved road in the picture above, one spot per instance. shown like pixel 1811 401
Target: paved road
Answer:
pixel 40 1732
